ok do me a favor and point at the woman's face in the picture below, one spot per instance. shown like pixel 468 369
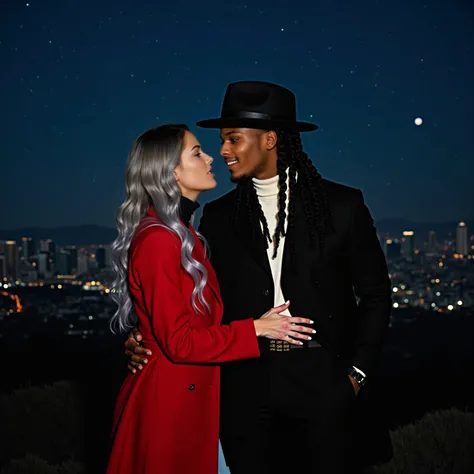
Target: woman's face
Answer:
pixel 194 172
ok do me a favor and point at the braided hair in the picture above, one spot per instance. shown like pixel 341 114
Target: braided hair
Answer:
pixel 291 157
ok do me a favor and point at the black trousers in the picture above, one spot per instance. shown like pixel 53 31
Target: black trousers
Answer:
pixel 303 419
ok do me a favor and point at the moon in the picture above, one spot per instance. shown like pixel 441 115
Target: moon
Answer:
pixel 418 121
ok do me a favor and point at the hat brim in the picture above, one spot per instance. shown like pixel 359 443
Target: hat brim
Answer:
pixel 260 124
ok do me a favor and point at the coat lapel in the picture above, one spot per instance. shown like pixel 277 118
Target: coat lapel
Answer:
pixel 251 236
pixel 305 254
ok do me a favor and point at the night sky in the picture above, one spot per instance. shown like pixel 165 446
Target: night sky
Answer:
pixel 81 79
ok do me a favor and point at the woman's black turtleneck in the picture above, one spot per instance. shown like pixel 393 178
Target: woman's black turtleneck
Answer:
pixel 187 207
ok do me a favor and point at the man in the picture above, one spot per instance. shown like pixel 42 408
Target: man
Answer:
pixel 284 233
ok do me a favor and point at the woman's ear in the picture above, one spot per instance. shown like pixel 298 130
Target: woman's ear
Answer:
pixel 176 175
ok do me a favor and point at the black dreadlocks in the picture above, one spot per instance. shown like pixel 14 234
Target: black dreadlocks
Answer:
pixel 292 157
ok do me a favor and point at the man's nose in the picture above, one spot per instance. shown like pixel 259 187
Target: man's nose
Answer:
pixel 224 151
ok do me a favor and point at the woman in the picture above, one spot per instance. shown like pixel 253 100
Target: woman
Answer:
pixel 166 418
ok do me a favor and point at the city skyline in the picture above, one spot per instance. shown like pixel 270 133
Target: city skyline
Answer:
pixel 436 275
pixel 390 85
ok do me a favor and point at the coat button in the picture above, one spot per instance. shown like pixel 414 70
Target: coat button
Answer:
pixel 191 387
pixel 266 292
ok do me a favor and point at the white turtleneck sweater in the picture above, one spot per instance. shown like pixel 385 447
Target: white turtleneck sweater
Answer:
pixel 267 193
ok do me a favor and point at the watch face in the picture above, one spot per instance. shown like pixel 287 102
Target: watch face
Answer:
pixel 359 378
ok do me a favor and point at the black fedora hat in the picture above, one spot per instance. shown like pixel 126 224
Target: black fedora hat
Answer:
pixel 256 104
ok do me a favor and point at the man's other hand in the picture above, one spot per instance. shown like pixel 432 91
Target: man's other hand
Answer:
pixel 135 352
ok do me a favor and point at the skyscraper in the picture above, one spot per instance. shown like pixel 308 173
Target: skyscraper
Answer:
pixel 432 246
pixel 408 245
pixel 3 268
pixel 82 262
pixel 44 245
pixel 64 262
pixel 392 249
pixel 27 248
pixel 11 259
pixel 3 263
pixel 44 267
pixel 100 257
pixel 72 249
pixel 462 241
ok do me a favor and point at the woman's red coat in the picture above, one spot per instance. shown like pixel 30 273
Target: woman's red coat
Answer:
pixel 167 416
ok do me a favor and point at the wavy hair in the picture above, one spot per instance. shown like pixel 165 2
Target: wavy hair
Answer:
pixel 150 181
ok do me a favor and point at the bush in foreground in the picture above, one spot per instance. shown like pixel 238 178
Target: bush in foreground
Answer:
pixel 31 464
pixel 44 433
pixel 440 443
pixel 45 421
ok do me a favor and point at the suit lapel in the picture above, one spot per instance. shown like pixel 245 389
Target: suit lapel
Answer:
pixel 250 235
pixel 305 255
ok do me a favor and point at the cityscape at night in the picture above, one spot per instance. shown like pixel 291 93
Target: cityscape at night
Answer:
pixel 437 275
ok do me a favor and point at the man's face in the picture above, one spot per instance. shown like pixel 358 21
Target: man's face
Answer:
pixel 247 153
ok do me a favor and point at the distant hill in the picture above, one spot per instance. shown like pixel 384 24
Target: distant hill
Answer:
pixel 94 234
pixel 67 235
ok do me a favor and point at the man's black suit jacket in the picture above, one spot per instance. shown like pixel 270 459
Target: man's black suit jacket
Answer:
pixel 346 291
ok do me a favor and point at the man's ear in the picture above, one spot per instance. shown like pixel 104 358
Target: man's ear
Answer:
pixel 271 140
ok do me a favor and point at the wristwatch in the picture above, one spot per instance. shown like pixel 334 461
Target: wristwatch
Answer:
pixel 357 375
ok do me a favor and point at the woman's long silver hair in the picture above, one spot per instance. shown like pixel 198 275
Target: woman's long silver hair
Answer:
pixel 150 180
